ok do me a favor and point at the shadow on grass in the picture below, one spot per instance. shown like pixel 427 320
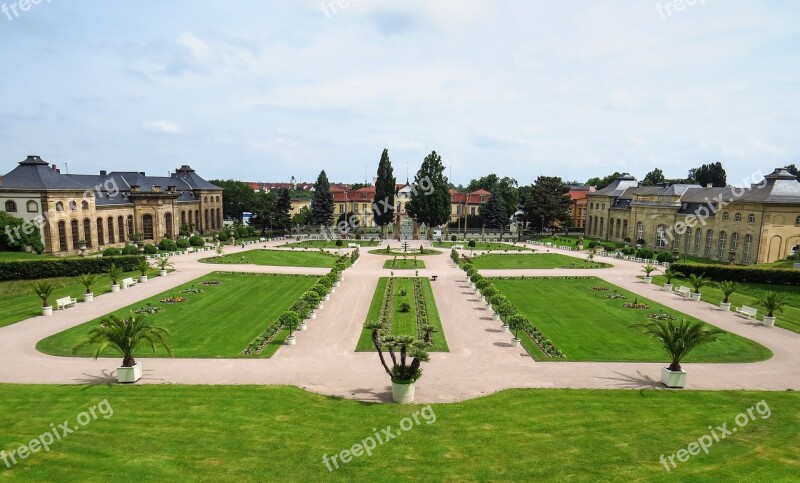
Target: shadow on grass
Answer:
pixel 639 381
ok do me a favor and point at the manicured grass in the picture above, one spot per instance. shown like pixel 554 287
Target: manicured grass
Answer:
pixel 19 303
pixel 269 433
pixel 404 264
pixel 747 295
pixel 7 256
pixel 399 252
pixel 281 258
pixel 533 260
pixel 588 327
pixel 331 244
pixel 700 260
pixel 403 323
pixel 220 322
pixel 781 264
pixel 562 240
pixel 481 246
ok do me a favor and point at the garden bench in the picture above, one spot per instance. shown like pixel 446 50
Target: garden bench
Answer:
pixel 65 302
pixel 433 278
pixel 748 312
pixel 458 247
pixel 684 292
pixel 128 282
pixel 352 245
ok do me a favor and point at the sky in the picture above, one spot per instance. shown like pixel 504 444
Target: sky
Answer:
pixel 267 90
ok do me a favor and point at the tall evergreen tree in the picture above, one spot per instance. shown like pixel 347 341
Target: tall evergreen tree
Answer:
pixel 709 174
pixel 322 204
pixel 383 204
pixel 494 212
pixel 548 201
pixel 283 206
pixel 430 199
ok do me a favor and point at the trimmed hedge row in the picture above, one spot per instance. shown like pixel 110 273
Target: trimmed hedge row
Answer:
pixel 66 267
pixel 740 274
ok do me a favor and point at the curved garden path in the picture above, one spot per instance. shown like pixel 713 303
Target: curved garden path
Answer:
pixel 481 360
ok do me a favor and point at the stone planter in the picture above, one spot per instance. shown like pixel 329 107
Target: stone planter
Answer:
pixel 768 321
pixel 88 297
pixel 163 273
pixel 291 340
pixel 128 375
pixel 648 279
pixel 303 326
pixel 515 342
pixel 333 289
pixel 115 288
pixel 696 297
pixel 673 378
pixel 495 316
pixel 668 287
pixel 47 310
pixel 313 315
pixel 403 393
pixel 504 328
pixel 124 285
pixel 327 297
pixel 725 307
pixel 143 279
pixel 320 306
pixel 337 284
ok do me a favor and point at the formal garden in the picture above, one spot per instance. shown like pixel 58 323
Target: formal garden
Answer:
pixel 340 243
pixel 533 261
pixel 475 245
pixel 276 258
pixel 404 263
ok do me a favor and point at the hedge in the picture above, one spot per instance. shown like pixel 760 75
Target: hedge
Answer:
pixel 740 273
pixel 65 267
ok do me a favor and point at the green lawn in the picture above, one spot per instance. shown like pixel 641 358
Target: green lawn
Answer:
pixel 280 258
pixel 588 327
pixel 480 246
pixel 533 260
pixel 331 244
pixel 273 433
pixel 19 303
pixel 562 240
pixel 747 295
pixel 7 256
pixel 412 250
pixel 404 264
pixel 220 322
pixel 403 323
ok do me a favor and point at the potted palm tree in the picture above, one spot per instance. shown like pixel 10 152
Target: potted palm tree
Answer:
pixel 772 302
pixel 163 264
pixel 44 290
pixel 648 269
pixel 88 280
pixel 125 336
pixel 728 288
pixel 290 320
pixel 697 282
pixel 143 268
pixel 678 341
pixel 407 355
pixel 669 274
pixel 115 274
pixel 517 322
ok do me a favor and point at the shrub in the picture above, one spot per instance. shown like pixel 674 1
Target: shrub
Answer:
pixel 358 236
pixel 183 243
pixel 63 267
pixel 610 247
pixel 167 245
pixel 222 236
pixel 112 252
pixel 645 253
pixel 150 249
pixel 471 243
pixel 741 274
pixel 453 238
pixel 339 243
pixel 591 244
pixel 628 251
pixel 405 307
pixel 130 250
pixel 664 257
pixel 312 298
pixel 242 232
pixel 196 241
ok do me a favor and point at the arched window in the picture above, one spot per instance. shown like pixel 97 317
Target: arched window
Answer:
pixel 73 206
pixel 191 217
pixel 619 227
pixel 76 236
pixel 205 199
pixel 737 217
pixel 219 218
pixel 62 236
pixel 33 207
pixel 87 232
pixel 217 198
pixel 100 238
pixel 197 219
pixel 11 206
pixel 168 224
pixel 734 242
pixel 84 205
pixel 709 242
pixel 687 243
pixel 602 233
pixel 797 221
pixel 183 218
pixel 751 218
pixel 59 206
pixel 205 219
pixel 639 231
pixel 661 236
pixel 748 245
pixel 624 229
pixel 723 239
pixel 130 226
pixel 698 238
pixel 588 224
pixel 147 226
pixel 121 228
pixel 111 230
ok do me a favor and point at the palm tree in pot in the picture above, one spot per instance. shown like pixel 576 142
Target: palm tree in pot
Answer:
pixel 44 290
pixel 143 268
pixel 163 264
pixel 648 269
pixel 115 274
pixel 88 280
pixel 125 336
pixel 678 341
pixel 697 282
pixel 516 323
pixel 771 302
pixel 407 355
pixel 669 274
pixel 290 320
pixel 728 288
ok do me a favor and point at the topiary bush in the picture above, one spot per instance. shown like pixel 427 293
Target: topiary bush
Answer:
pixel 196 241
pixel 150 249
pixel 112 252
pixel 222 236
pixel 183 243
pixel 167 245
pixel 471 243
pixel 453 238
pixel 130 250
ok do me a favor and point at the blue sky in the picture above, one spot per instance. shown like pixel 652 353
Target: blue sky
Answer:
pixel 269 90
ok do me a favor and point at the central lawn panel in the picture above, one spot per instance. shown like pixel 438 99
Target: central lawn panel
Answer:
pixel 269 433
pixel 220 322
pixel 331 243
pixel 280 258
pixel 404 264
pixel 533 260
pixel 484 246
pixel 588 327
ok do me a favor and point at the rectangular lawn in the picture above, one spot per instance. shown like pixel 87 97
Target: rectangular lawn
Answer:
pixel 533 260
pixel 279 258
pixel 404 264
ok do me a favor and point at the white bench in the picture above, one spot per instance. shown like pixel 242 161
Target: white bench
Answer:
pixel 684 292
pixel 748 312
pixel 128 282
pixel 65 302
pixel 458 247
pixel 352 245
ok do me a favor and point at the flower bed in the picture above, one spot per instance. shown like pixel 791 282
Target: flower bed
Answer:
pixel 545 344
pixel 636 305
pixel 599 289
pixel 150 310
pixel 173 300
pixel 661 316
pixel 192 289
pixel 422 308
pixel 211 282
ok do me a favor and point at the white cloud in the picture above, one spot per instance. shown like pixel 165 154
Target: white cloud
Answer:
pixel 199 49
pixel 162 127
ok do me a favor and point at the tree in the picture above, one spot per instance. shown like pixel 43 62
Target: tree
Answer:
pixel 430 198
pixel 653 178
pixel 601 183
pixel 322 204
pixel 679 340
pixel 792 169
pixel 125 336
pixel 237 198
pixel 17 234
pixel 494 213
pixel 506 188
pixel 283 205
pixel 383 204
pixel 709 174
pixel 548 197
pixel 406 352
pixel 264 213
pixel 302 217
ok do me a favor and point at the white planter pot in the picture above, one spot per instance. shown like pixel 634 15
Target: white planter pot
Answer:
pixel 163 273
pixel 515 342
pixel 495 316
pixel 725 307
pixel 115 288
pixel 129 374
pixel 320 306
pixel 88 297
pixel 403 393
pixel 668 287
pixel 143 279
pixel 291 340
pixel 47 310
pixel 124 286
pixel 504 328
pixel 303 326
pixel 673 378
pixel 333 289
pixel 768 321
pixel 313 315
pixel 696 296
pixel 327 297
pixel 337 284
pixel 647 279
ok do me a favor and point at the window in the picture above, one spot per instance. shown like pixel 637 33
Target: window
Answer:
pixel 723 238
pixel 73 206
pixel 751 218
pixel 100 238
pixel 33 207
pixel 110 230
pixel 219 218
pixel 183 218
pixel 76 236
pixel 797 221
pixel 698 236
pixel 121 229
pixel 709 242
pixel 364 207
pixel 59 206
pixel 62 236
pixel 87 232
pixel 601 227
pixel 618 227
pixel 147 227
pixel 687 244
pixel 748 245
pixel 205 218
pixel 725 216
pixel 639 231
pixel 341 209
pixel 624 229
pixel 589 225
pixel 734 242
pixel 168 224
pixel 205 199
pixel 217 199
pixel 130 226
pixel 84 205
pixel 11 206
pixel 737 217
pixel 661 236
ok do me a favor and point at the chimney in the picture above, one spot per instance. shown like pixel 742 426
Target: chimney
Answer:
pixel 103 172
pixel 134 188
pixel 155 188
pixel 54 167
pixel 171 189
